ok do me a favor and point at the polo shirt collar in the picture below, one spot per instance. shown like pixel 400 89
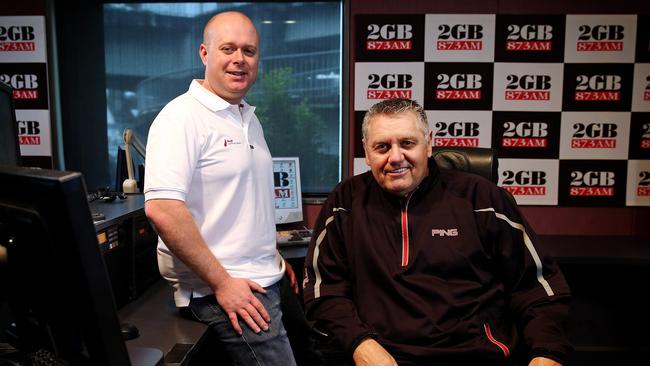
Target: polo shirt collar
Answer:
pixel 212 101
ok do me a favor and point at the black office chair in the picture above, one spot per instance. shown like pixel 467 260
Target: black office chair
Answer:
pixel 478 160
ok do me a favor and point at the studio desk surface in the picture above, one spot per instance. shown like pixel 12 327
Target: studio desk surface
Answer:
pixel 148 305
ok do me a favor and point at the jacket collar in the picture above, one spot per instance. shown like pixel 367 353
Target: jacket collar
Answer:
pixel 432 178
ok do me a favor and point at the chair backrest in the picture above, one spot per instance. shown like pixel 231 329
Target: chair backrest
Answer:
pixel 478 160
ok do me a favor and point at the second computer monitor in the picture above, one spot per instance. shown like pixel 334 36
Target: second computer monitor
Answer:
pixel 288 194
pixel 9 144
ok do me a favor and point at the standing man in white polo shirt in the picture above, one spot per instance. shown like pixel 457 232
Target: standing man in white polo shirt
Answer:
pixel 209 194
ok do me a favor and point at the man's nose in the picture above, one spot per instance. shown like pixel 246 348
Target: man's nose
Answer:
pixel 238 56
pixel 395 154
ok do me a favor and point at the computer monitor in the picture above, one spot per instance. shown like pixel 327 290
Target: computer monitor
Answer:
pixel 288 195
pixel 57 285
pixel 9 143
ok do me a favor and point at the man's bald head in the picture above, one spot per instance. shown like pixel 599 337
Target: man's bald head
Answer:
pixel 228 16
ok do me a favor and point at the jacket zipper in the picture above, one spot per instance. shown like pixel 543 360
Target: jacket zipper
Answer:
pixel 405 230
pixel 503 347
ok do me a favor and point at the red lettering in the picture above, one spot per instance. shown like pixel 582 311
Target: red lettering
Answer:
pixel 473 142
pixel 646 95
pixel 25 94
pixel 282 193
pixel 388 45
pixel 605 96
pixel 526 190
pixel 388 94
pixel 29 140
pixel 529 46
pixel 593 143
pixel 643 191
pixel 524 142
pixel 591 191
pixel 645 143
pixel 459 45
pixel 458 94
pixel 600 46
pixel 17 46
pixel 527 95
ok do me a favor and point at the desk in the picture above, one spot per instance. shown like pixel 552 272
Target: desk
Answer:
pixel 294 249
pixel 156 317
pixel 144 299
pixel 608 275
pixel 632 250
pixel 118 210
pixel 128 243
pixel 132 207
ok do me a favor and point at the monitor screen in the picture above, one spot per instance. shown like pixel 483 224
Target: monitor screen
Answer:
pixel 57 286
pixel 288 196
pixel 9 144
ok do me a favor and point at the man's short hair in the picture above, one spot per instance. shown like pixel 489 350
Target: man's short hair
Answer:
pixel 393 107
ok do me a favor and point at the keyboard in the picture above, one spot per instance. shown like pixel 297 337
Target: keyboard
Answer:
pixel 43 357
pixel 300 236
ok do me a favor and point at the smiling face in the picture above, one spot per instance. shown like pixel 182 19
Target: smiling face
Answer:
pixel 397 152
pixel 230 53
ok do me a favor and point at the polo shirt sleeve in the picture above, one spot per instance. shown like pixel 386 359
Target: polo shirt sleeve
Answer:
pixel 173 150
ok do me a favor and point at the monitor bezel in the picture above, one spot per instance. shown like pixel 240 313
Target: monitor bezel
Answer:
pixel 6 89
pixel 68 253
pixel 298 215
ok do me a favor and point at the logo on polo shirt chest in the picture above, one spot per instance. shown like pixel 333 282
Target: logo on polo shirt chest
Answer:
pixel 228 141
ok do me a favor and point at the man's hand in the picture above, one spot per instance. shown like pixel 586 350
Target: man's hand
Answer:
pixel 235 295
pixel 543 361
pixel 292 277
pixel 371 353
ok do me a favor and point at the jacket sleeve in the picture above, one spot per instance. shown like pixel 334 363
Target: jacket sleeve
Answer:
pixel 539 293
pixel 327 285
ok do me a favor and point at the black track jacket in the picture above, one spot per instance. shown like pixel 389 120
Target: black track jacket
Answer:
pixel 450 273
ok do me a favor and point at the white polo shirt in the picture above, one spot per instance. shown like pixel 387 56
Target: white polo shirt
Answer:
pixel 212 155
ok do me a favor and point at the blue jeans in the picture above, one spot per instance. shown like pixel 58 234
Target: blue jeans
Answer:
pixel 266 348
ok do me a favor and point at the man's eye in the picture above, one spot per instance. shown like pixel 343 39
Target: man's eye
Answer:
pixel 249 52
pixel 227 49
pixel 381 147
pixel 408 143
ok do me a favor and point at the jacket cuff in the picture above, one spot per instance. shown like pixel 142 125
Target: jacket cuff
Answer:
pixel 555 356
pixel 360 338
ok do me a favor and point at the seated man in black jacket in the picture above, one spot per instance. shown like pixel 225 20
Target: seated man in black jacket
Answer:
pixel 414 265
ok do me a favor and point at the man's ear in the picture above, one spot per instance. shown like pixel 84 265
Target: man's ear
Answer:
pixel 429 141
pixel 203 53
pixel 365 151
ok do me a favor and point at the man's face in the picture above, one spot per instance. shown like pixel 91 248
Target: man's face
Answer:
pixel 231 56
pixel 397 152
